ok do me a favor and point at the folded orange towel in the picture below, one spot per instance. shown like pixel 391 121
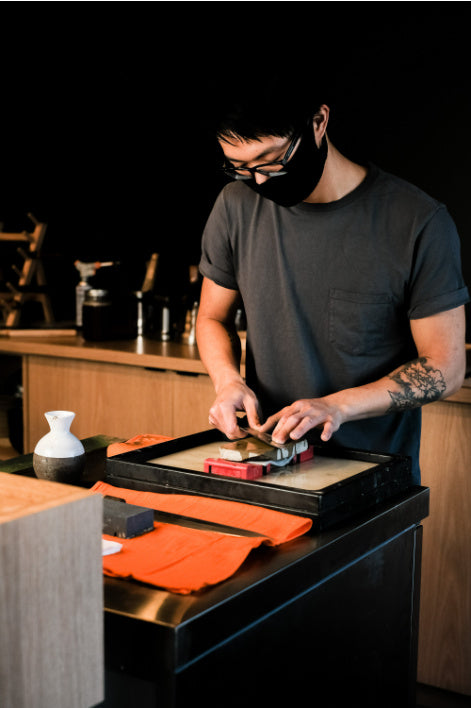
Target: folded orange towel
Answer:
pixel 183 560
pixel 134 443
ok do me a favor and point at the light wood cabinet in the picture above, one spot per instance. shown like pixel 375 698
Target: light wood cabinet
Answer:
pixel 119 389
pixel 445 610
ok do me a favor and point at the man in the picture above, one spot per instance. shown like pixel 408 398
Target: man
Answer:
pixel 350 280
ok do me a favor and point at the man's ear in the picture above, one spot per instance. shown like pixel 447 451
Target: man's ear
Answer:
pixel 321 119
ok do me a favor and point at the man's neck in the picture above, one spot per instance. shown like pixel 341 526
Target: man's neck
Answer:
pixel 340 177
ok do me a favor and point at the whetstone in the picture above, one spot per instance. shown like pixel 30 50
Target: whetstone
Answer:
pixel 240 450
pixel 126 520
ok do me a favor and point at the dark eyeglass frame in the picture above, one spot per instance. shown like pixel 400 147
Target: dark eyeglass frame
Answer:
pixel 234 171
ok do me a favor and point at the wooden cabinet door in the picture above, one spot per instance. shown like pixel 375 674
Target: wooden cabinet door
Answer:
pixel 112 399
pixel 445 598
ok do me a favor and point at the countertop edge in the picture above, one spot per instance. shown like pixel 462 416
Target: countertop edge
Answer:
pixel 146 353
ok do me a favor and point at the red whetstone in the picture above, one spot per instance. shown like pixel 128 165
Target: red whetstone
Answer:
pixel 228 468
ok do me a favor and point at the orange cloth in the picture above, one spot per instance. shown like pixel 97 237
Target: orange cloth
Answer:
pixel 134 443
pixel 183 560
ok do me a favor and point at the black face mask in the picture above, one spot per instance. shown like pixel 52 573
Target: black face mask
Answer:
pixel 304 171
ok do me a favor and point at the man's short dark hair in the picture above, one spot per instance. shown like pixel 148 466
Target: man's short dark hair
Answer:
pixel 265 106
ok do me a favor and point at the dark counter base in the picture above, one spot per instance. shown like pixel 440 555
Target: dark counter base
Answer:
pixel 330 619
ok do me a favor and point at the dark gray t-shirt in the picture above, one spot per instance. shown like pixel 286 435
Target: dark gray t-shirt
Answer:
pixel 328 291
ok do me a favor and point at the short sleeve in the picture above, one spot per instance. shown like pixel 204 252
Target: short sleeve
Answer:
pixel 216 261
pixel 436 282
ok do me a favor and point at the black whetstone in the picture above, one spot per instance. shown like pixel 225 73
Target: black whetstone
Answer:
pixel 126 520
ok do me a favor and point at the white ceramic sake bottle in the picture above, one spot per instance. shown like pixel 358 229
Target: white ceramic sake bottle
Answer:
pixel 59 456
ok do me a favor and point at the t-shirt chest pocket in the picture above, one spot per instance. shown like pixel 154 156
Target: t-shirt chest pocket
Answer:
pixel 360 322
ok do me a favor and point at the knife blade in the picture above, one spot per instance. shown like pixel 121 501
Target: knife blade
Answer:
pixel 168 517
pixel 267 439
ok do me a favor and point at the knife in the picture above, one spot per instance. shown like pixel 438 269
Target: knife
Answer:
pixel 264 437
pixel 192 522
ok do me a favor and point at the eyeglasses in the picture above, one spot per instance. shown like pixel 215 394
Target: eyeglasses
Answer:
pixel 267 169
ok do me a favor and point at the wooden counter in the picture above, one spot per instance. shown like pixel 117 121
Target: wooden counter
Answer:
pixel 120 388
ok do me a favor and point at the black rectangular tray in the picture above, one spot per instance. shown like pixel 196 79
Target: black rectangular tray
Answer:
pixel 389 476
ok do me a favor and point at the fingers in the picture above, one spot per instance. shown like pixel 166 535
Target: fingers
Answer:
pixel 252 410
pixel 223 413
pixel 270 423
pixel 327 431
pixel 280 425
pixel 225 419
pixel 292 426
pixel 294 422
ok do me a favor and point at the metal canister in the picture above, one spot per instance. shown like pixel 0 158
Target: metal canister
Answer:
pixel 97 316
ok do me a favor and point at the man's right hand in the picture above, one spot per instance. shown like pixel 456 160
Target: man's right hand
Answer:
pixel 232 397
pixel 219 347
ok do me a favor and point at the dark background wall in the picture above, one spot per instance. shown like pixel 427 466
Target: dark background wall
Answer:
pixel 103 112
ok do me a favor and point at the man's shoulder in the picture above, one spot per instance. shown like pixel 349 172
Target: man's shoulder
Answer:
pixel 237 201
pixel 399 188
pixel 237 192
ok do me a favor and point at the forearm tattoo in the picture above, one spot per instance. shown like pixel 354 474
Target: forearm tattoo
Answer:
pixel 419 383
